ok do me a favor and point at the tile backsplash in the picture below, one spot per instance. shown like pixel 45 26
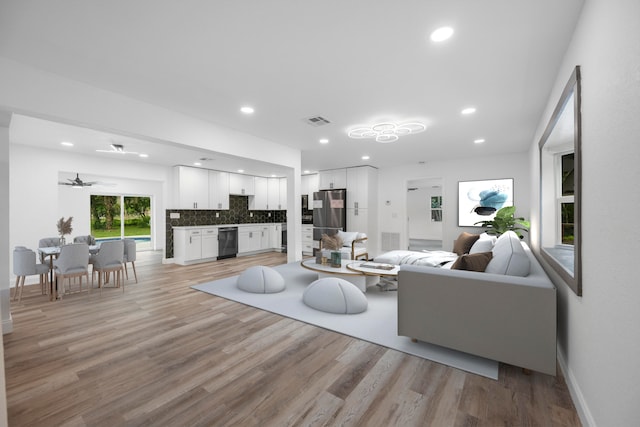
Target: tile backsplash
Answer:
pixel 238 213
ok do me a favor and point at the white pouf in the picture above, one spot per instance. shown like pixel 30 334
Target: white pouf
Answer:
pixel 261 280
pixel 335 295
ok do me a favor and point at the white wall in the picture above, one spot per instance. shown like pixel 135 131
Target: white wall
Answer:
pixel 37 201
pixel 393 189
pixel 599 333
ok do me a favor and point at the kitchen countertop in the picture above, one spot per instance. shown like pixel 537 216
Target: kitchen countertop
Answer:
pixel 200 227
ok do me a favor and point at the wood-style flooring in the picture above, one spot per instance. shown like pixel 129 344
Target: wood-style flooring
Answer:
pixel 162 354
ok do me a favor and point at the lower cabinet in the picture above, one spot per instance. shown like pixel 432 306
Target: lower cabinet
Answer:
pixel 307 239
pixel 249 239
pixel 194 245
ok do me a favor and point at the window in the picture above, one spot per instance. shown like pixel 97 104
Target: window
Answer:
pixel 117 217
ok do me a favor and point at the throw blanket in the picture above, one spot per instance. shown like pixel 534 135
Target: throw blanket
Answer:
pixel 425 258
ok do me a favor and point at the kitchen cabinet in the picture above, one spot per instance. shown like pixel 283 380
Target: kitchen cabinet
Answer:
pixel 260 200
pixel 361 182
pixel 265 237
pixel 218 190
pixel 274 194
pixel 192 186
pixel 333 179
pixel 249 239
pixel 209 243
pixel 194 245
pixel 242 185
pixel 309 184
pixel 282 206
pixel 307 239
pixel 276 237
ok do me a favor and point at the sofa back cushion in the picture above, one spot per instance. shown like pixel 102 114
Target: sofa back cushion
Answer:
pixel 509 257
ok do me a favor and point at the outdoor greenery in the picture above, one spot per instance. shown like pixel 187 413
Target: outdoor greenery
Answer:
pixel 504 221
pixel 106 220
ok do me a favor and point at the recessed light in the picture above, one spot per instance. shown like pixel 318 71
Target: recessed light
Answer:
pixel 468 110
pixel 479 140
pixel 441 34
pixel 365 157
pixel 197 164
pixel 67 143
pixel 247 110
pixel 307 171
pixel 324 141
pixel 143 155
pixel 241 170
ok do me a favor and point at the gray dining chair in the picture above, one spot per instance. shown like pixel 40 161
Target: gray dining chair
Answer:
pixel 47 242
pixel 110 259
pixel 24 264
pixel 88 239
pixel 130 257
pixel 73 261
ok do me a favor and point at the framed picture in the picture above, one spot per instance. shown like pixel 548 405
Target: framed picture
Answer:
pixel 480 200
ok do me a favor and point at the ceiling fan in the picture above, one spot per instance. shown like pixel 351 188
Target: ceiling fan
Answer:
pixel 78 183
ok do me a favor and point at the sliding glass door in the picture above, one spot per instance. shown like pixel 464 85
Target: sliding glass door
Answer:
pixel 117 217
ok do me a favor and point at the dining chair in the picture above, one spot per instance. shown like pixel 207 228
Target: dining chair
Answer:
pixel 24 264
pixel 130 257
pixel 73 261
pixel 88 239
pixel 47 242
pixel 110 259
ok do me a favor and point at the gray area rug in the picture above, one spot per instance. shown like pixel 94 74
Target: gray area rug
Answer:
pixel 379 324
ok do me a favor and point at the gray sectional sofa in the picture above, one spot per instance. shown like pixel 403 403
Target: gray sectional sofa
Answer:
pixel 506 313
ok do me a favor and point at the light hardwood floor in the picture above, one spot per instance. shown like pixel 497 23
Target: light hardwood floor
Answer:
pixel 162 354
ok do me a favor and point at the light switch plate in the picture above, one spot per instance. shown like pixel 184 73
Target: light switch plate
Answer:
pixel 174 215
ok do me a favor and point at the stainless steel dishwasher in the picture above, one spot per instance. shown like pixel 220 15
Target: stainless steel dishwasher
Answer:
pixel 227 242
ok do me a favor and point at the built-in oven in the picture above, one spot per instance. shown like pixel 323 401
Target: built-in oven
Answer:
pixel 227 242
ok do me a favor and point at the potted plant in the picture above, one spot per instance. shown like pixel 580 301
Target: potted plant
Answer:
pixel 505 220
pixel 64 228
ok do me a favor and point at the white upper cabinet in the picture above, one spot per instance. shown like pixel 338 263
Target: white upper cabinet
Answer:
pixel 260 200
pixel 309 184
pixel 218 190
pixel 192 188
pixel 333 179
pixel 242 185
pixel 282 205
pixel 274 194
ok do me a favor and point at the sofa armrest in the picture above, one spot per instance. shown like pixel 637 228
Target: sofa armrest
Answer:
pixel 504 318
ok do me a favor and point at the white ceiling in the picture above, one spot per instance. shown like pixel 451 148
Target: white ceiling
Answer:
pixel 354 62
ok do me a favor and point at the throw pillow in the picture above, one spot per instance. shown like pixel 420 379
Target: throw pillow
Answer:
pixel 473 262
pixel 331 242
pixel 463 243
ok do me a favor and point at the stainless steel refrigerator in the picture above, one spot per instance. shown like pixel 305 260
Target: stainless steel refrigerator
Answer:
pixel 329 212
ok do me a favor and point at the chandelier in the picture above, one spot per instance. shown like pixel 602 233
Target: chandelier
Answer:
pixel 386 132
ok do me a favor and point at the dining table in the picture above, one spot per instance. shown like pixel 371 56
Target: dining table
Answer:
pixel 52 252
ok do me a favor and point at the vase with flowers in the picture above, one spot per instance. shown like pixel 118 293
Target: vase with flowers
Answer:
pixel 64 228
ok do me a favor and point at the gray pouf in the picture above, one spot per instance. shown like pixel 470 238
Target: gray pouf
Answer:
pixel 261 280
pixel 335 295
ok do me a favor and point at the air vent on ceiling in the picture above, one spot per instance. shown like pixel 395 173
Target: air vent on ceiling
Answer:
pixel 317 121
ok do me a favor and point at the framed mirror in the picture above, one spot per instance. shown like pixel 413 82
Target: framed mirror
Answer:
pixel 560 186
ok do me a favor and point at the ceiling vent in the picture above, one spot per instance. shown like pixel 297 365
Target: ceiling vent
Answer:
pixel 317 121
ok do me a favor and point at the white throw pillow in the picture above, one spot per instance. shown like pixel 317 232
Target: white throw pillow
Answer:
pixel 482 245
pixel 347 237
pixel 509 257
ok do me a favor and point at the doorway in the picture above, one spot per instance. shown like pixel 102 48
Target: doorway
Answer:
pixel 425 204
pixel 119 216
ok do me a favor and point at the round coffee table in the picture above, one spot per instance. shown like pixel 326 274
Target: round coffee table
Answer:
pixel 358 278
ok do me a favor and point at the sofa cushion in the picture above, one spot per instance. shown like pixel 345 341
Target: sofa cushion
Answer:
pixel 509 257
pixel 483 244
pixel 463 243
pixel 473 262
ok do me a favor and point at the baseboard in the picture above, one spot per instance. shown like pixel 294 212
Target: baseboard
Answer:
pixel 7 325
pixel 576 393
pixel 168 261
